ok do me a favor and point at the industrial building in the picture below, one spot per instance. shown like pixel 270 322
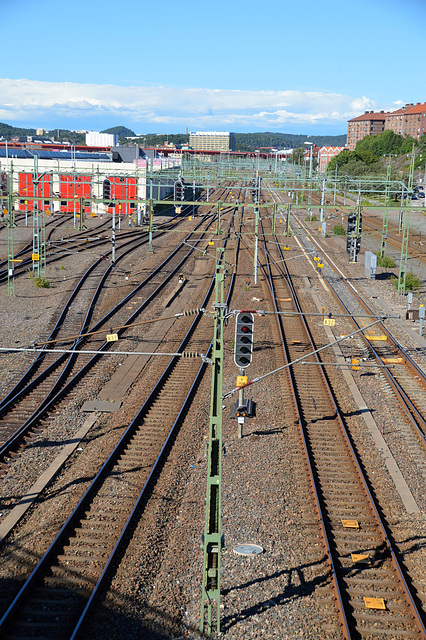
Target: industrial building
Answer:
pixel 69 180
pixel 96 139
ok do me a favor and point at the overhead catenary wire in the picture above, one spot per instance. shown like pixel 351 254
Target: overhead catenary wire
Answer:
pixel 188 312
pixel 289 364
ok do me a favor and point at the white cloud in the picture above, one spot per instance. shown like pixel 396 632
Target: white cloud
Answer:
pixel 35 101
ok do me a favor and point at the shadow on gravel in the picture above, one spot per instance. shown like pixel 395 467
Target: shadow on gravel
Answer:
pixel 291 591
pixel 385 276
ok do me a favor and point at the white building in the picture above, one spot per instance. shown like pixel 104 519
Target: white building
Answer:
pixel 96 139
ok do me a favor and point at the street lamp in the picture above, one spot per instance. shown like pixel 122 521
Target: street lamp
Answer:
pixel 310 159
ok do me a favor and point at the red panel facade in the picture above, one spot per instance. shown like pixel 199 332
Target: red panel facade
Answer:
pixel 28 191
pixel 71 189
pixel 123 188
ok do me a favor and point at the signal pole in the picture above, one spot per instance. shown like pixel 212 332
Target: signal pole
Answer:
pixel 212 540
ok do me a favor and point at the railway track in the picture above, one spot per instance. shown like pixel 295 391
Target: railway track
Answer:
pixel 370 587
pixel 56 600
pixel 406 379
pixel 28 404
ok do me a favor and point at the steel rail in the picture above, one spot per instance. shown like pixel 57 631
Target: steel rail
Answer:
pixel 414 415
pixel 380 521
pixel 58 391
pixel 75 516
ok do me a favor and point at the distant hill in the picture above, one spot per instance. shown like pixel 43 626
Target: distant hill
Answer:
pixel 122 132
pixel 8 131
pixel 252 141
pixel 243 141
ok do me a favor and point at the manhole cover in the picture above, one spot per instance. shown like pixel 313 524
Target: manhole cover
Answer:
pixel 248 549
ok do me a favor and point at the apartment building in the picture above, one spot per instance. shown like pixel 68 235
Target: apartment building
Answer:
pixel 410 120
pixel 212 140
pixel 369 124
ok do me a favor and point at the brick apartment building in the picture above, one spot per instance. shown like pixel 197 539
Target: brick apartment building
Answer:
pixel 369 124
pixel 407 121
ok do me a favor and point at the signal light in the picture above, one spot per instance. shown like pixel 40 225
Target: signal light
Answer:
pixel 106 189
pixel 179 189
pixel 243 351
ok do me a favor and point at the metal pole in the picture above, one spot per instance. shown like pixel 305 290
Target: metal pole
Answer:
pixel 322 201
pixel 256 242
pixel 287 228
pixel 212 540
pixel 151 220
pixel 113 236
pixel 404 253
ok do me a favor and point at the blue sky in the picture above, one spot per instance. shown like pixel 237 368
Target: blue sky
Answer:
pixel 167 66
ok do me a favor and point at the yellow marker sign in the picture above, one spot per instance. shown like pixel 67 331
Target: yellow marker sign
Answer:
pixel 112 337
pixel 316 259
pixel 190 218
pixel 241 381
pixel 329 322
pixel 178 209
pixel 35 257
pixel 92 214
pixel 286 248
pixel 376 338
pixel 374 603
pixel 281 221
pixel 350 524
pixel 355 364
pixel 211 243
pixel 360 558
pixel 320 265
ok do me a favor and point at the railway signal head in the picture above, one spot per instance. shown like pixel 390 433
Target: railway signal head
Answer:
pixel 106 189
pixel 179 190
pixel 243 352
pixel 351 223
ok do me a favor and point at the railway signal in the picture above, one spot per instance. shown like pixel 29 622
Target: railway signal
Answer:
pixel 106 190
pixel 353 242
pixel 243 351
pixel 179 190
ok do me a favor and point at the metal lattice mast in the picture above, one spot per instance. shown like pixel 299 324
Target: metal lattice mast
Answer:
pixel 10 227
pixel 384 233
pixel 39 229
pixel 383 248
pixel 404 253
pixel 212 541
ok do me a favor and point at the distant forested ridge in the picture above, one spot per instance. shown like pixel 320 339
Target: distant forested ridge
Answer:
pixel 243 141
pixel 249 141
pixel 253 141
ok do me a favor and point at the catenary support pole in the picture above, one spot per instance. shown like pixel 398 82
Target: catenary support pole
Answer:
pixel 212 541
